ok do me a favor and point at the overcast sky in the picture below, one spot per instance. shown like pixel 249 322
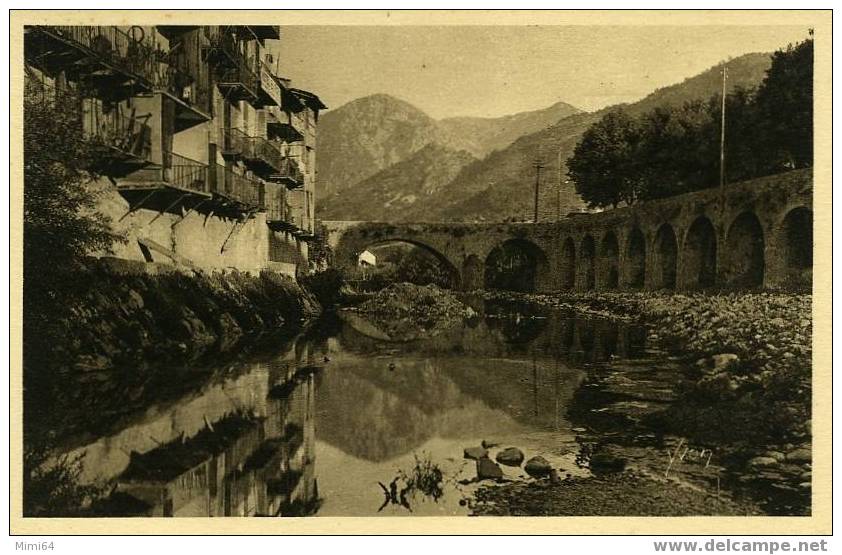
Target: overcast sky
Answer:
pixel 492 71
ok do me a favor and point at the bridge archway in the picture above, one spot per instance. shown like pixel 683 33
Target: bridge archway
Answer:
pixel 568 265
pixel 451 275
pixel 745 263
pixel 587 256
pixel 700 254
pixel 796 244
pixel 635 259
pixel 666 258
pixel 515 265
pixel 472 273
pixel 609 261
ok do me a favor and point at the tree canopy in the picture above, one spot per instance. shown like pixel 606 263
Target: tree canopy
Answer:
pixel 676 149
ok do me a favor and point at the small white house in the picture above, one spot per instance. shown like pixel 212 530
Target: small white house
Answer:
pixel 367 258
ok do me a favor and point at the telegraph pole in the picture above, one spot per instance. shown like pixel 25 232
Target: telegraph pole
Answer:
pixel 722 133
pixel 538 165
pixel 558 191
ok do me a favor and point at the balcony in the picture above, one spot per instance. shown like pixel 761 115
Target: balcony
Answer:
pixel 120 138
pixel 111 61
pixel 278 212
pixel 191 96
pixel 239 192
pixel 289 174
pixel 262 156
pixel 237 74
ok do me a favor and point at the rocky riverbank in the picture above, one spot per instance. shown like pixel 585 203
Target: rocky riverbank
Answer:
pixel 130 325
pixel 744 387
pixel 404 311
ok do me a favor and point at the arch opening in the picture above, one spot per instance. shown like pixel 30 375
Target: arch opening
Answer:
pixel 568 265
pixel 587 273
pixel 797 245
pixel 515 265
pixel 380 263
pixel 666 258
pixel 700 254
pixel 636 259
pixel 609 253
pixel 745 259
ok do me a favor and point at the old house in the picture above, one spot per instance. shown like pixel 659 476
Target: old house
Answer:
pixel 205 154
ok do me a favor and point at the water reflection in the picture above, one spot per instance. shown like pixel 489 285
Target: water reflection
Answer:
pixel 366 409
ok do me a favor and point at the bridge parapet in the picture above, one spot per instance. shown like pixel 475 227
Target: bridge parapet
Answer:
pixel 749 234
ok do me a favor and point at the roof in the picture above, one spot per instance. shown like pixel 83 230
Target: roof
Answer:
pixel 309 99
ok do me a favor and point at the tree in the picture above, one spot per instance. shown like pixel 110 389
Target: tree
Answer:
pixel 60 222
pixel 604 164
pixel 785 109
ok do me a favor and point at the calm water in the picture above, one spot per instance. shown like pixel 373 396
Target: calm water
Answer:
pixel 330 418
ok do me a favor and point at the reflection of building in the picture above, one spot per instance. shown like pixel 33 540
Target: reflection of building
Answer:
pixel 257 458
pixel 207 156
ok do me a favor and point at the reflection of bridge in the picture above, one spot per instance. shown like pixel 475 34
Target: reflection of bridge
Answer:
pixel 753 233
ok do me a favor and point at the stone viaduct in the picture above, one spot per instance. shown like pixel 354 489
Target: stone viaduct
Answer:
pixel 756 233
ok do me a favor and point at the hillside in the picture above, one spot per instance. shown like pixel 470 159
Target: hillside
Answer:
pixel 501 186
pixel 484 135
pixel 391 193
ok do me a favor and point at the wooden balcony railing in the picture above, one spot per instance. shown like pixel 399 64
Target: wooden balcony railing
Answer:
pixel 238 188
pixel 289 174
pixel 236 71
pixel 186 173
pixel 121 134
pixel 133 53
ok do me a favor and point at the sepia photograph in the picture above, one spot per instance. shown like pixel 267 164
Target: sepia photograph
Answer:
pixel 406 264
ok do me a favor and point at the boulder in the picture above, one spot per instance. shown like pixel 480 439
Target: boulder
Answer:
pixel 488 469
pixel 511 456
pixel 724 362
pixel 538 467
pixel 759 462
pixel 800 455
pixel 489 444
pixel 606 463
pixel 476 453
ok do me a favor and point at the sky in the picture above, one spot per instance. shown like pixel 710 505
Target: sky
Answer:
pixel 490 71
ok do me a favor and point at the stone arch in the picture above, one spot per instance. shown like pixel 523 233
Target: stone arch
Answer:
pixel 587 258
pixel 745 263
pixel 472 273
pixel 609 261
pixel 568 264
pixel 699 256
pixel 795 238
pixel 635 264
pixel 515 265
pixel 665 258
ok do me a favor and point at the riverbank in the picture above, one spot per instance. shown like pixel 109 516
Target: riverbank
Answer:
pixel 745 379
pixel 626 494
pixel 128 325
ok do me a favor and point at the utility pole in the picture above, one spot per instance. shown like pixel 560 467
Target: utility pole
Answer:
pixel 538 165
pixel 722 133
pixel 558 191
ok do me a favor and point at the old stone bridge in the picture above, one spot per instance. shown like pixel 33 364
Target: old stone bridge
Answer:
pixel 749 234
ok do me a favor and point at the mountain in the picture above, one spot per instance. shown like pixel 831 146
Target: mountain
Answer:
pixel 369 134
pixel 392 192
pixel 360 138
pixel 484 135
pixel 501 186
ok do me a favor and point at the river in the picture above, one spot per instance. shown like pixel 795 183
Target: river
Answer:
pixel 338 421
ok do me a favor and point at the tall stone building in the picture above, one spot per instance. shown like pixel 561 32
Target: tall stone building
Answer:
pixel 205 155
